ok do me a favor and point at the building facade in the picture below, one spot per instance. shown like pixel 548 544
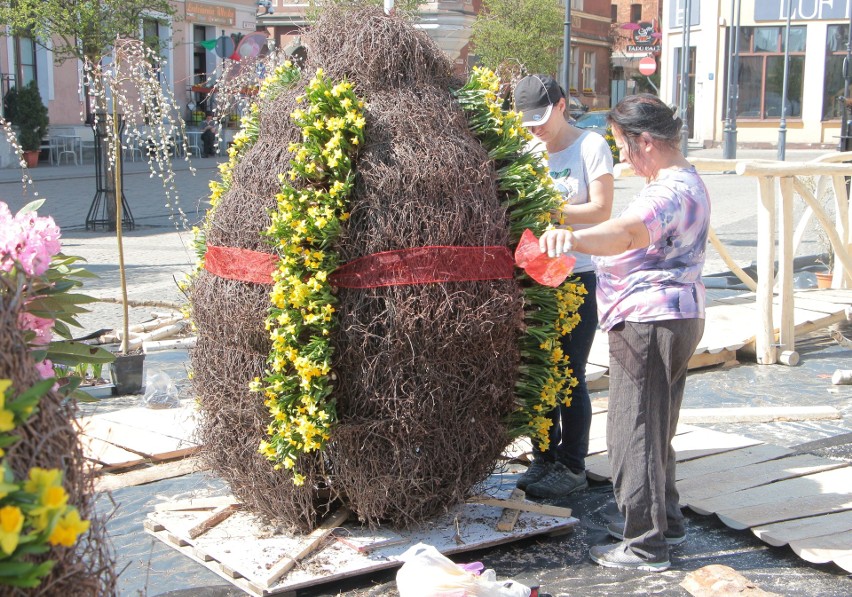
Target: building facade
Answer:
pixel 591 44
pixel 635 36
pixel 193 44
pixel 814 55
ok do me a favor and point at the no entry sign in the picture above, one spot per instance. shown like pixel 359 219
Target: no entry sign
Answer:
pixel 648 66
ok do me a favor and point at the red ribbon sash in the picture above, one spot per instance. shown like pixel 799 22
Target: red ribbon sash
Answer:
pixel 420 265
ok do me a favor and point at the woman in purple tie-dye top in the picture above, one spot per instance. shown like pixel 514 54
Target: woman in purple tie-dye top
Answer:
pixel 651 303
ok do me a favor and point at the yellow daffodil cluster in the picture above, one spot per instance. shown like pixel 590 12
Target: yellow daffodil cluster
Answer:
pixel 311 205
pixel 526 190
pixel 613 148
pixel 35 512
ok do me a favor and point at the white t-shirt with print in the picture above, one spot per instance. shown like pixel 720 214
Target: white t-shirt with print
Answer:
pixel 572 170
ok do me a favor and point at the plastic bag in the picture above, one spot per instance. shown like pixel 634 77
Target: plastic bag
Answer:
pixel 428 573
pixel 160 391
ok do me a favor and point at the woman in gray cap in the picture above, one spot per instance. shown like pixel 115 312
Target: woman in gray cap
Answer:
pixel 580 164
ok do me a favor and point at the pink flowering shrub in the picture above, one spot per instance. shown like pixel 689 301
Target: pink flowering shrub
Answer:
pixel 27 241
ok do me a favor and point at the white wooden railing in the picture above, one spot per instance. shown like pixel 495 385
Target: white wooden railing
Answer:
pixel 778 184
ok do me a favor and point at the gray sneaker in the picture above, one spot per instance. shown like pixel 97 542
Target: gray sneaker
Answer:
pixel 558 482
pixel 620 556
pixel 616 529
pixel 535 472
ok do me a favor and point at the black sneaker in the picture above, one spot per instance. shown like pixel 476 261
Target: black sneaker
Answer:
pixel 535 472
pixel 620 556
pixel 616 529
pixel 558 482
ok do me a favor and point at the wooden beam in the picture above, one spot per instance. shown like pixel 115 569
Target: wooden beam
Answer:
pixel 524 505
pixel 218 515
pixel 150 474
pixel 285 564
pixel 757 414
pixel 764 338
pixel 510 515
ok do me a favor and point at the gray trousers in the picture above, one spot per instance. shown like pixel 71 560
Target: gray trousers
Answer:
pixel 648 363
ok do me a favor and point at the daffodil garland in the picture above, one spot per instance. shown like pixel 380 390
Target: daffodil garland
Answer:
pixel 297 382
pixel 35 512
pixel 527 192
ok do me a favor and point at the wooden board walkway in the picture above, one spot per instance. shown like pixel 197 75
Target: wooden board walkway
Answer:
pixel 133 436
pixel 731 327
pixel 800 500
pixel 246 552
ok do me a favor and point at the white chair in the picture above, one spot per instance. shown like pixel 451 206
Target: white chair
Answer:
pixel 65 146
pixel 132 146
pixel 86 136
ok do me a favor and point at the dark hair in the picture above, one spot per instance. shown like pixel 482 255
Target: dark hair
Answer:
pixel 208 113
pixel 645 113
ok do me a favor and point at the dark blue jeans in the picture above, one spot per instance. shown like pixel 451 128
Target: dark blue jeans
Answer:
pixel 569 434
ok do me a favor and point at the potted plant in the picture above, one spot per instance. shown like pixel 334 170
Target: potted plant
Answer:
pixel 26 111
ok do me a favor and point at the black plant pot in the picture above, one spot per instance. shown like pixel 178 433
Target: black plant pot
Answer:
pixel 126 373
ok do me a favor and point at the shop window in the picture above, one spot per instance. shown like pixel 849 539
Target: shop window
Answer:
pixel 761 75
pixel 834 86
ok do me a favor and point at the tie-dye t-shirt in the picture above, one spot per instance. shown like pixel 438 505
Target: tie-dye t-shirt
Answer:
pixel 662 281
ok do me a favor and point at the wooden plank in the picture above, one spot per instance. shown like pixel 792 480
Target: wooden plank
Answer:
pixel 204 503
pixel 510 515
pixel 525 506
pixel 732 459
pixel 782 533
pixel 838 481
pixel 781 510
pixel 286 564
pixel 146 443
pixel 821 493
pixel 109 455
pixel 844 562
pixel 179 423
pixel 157 472
pixel 826 548
pixel 703 442
pixel 758 414
pixel 753 475
pixel 689 443
pixel 711 359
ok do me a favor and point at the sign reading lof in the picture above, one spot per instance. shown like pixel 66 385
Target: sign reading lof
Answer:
pixel 210 14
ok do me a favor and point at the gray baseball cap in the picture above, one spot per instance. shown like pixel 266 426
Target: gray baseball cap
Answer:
pixel 535 97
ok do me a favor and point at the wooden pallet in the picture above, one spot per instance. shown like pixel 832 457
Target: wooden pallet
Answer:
pixel 238 547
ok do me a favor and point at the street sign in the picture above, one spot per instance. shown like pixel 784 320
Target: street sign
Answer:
pixel 648 66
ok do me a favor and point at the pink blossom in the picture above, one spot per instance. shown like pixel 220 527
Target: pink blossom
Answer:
pixel 27 240
pixel 42 327
pixel 45 369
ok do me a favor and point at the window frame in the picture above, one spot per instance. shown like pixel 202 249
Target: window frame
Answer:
pixel 748 53
pixel 832 56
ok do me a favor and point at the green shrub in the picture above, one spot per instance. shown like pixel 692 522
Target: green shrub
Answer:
pixel 27 112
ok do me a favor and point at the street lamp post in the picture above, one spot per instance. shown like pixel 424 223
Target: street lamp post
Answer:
pixel 566 49
pixel 782 128
pixel 684 78
pixel 729 149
